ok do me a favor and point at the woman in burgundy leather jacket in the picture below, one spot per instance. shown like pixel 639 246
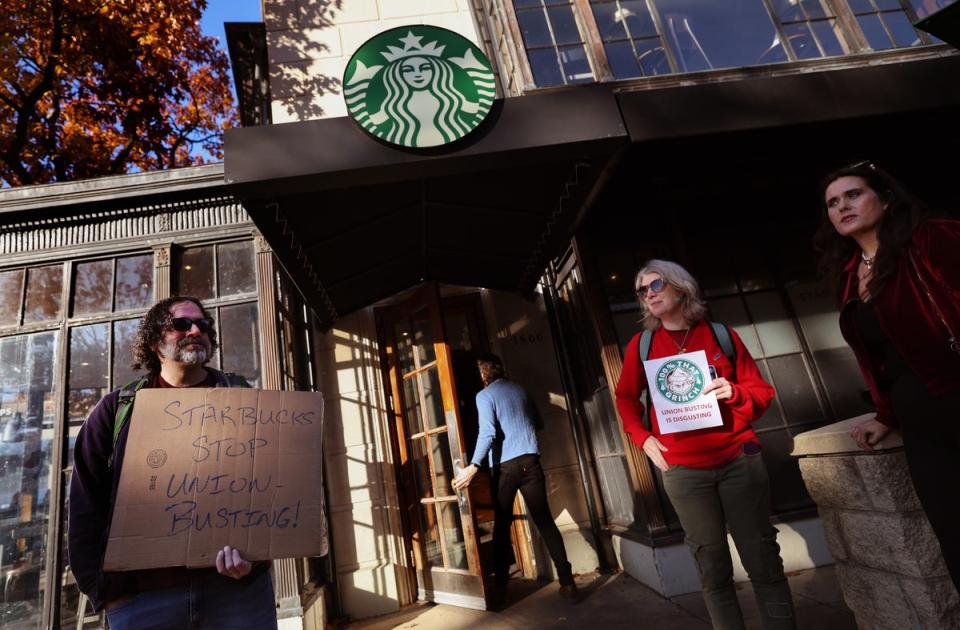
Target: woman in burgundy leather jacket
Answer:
pixel 897 275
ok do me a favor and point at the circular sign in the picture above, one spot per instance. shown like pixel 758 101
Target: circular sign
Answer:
pixel 679 381
pixel 419 86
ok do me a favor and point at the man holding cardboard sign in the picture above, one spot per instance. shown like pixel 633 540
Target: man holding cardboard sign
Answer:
pixel 175 341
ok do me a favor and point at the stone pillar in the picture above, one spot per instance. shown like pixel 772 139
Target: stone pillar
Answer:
pixel 888 561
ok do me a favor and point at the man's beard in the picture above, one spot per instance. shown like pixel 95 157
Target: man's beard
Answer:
pixel 198 354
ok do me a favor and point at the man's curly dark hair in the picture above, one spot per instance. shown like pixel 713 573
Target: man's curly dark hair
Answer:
pixel 151 329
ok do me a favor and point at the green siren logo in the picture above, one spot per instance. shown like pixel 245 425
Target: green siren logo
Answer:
pixel 419 86
pixel 679 381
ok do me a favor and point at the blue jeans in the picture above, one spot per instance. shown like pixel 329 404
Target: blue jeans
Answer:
pixel 216 602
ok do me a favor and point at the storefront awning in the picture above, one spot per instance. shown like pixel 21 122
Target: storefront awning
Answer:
pixel 354 220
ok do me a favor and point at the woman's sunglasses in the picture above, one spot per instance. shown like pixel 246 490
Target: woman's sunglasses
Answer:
pixel 184 324
pixel 655 286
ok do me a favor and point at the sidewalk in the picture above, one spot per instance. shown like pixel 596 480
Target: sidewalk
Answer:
pixel 618 601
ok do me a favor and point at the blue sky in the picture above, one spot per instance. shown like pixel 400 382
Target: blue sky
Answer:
pixel 220 11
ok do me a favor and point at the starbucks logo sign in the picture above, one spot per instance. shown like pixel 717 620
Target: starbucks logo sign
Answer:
pixel 419 86
pixel 679 381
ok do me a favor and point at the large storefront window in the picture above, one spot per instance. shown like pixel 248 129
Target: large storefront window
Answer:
pixel 224 277
pixel 569 41
pixel 27 403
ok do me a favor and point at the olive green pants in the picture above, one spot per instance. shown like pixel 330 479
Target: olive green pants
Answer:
pixel 737 496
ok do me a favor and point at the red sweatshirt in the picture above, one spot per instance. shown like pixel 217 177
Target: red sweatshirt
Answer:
pixel 703 448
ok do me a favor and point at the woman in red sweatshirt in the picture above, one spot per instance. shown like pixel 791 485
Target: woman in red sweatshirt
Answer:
pixel 715 477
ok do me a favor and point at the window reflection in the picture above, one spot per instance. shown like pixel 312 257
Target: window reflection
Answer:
pixel 195 272
pixel 11 289
pixel 124 335
pixel 89 375
pixel 235 268
pixel 91 287
pixel 44 294
pixel 706 35
pixel 26 429
pixel 553 42
pixel 134 282
pixel 240 341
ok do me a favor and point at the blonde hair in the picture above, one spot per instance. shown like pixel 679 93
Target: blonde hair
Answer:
pixel 694 307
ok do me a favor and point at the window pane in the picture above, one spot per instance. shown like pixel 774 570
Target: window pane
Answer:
pixel 124 335
pixel 546 67
pixel 431 537
pixel 873 30
pixel 239 341
pixel 902 29
pixel 773 325
pixel 195 274
pixel 423 337
pixel 565 29
pixel 652 58
pixel 404 341
pixel 26 421
pixel 411 406
pixel 924 8
pixel 433 414
pixel 707 35
pixel 816 9
pixel 134 282
pixel 623 63
pixel 235 266
pixel 576 67
pixel 421 467
pixel 533 25
pixel 792 382
pixel 861 6
pixel 609 20
pixel 827 33
pixel 91 288
pixel 889 5
pixel 89 377
pixel 638 18
pixel 788 10
pixel 44 292
pixel 802 41
pixel 11 288
pixel 453 535
pixel 442 464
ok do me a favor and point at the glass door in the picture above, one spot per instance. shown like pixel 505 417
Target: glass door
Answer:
pixel 430 442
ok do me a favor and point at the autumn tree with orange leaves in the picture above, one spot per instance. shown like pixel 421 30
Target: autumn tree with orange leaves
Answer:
pixel 101 87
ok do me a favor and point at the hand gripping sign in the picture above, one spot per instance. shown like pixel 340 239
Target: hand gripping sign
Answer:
pixel 676 386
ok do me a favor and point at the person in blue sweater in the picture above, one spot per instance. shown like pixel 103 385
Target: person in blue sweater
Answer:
pixel 509 421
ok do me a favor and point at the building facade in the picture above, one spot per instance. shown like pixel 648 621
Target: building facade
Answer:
pixel 623 130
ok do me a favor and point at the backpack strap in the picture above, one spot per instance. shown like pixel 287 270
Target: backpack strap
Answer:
pixel 129 391
pixel 721 333
pixel 643 347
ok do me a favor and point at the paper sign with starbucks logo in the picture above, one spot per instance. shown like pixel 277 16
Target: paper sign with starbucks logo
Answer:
pixel 676 391
pixel 419 86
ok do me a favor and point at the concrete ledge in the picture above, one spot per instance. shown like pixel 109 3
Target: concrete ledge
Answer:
pixel 835 438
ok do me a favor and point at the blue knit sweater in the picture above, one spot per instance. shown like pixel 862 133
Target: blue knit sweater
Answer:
pixel 509 421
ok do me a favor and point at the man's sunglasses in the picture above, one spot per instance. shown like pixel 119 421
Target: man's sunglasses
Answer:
pixel 655 286
pixel 184 324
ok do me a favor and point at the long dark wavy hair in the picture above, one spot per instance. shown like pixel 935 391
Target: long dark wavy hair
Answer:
pixel 902 215
pixel 151 329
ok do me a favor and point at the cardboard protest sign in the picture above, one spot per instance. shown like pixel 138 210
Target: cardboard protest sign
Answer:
pixel 676 384
pixel 205 468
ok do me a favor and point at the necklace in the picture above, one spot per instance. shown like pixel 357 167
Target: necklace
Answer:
pixel 682 345
pixel 868 261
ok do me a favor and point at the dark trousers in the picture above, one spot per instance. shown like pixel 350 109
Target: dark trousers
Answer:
pixel 524 474
pixel 736 495
pixel 931 442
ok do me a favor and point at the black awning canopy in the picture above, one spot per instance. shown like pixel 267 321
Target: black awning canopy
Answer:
pixel 354 220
